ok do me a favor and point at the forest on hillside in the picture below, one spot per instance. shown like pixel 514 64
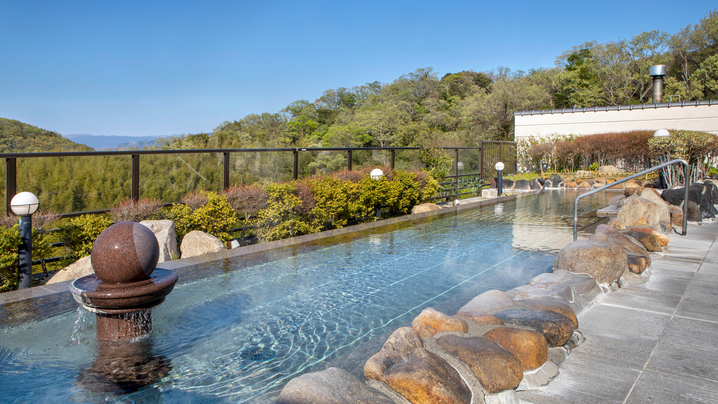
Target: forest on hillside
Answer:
pixel 458 109
pixel 417 109
pixel 19 137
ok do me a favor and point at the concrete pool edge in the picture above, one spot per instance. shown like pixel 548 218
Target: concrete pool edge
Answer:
pixel 180 264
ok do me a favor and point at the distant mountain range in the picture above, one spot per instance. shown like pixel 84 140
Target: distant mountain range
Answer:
pixel 115 142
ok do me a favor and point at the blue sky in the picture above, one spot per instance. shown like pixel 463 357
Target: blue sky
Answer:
pixel 157 68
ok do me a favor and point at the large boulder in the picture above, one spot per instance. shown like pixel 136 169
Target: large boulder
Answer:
pixel 197 243
pixel 424 207
pixel 555 327
pixel 404 339
pixel 491 300
pixel 660 236
pixel 602 260
pixel 556 180
pixel 530 347
pixel 496 368
pixel 581 284
pixel 77 269
pixel 483 319
pixel 542 290
pixel 617 224
pixel 637 264
pixel 664 211
pixel 637 211
pixel 551 305
pixel 648 240
pixel 421 376
pixel 628 243
pixel 617 200
pixel 702 194
pixel 164 231
pixel 608 170
pixel 694 213
pixel 431 321
pixel 522 185
pixel 535 184
pixel 331 386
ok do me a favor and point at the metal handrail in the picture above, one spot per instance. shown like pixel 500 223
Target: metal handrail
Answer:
pixel 593 191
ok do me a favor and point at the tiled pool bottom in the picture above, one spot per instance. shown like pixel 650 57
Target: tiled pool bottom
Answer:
pixel 302 310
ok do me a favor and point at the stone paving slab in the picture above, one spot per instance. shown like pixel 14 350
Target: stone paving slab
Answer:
pixel 653 342
pixel 662 388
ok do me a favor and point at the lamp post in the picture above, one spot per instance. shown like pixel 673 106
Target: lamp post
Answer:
pixel 499 179
pixel 376 174
pixel 24 205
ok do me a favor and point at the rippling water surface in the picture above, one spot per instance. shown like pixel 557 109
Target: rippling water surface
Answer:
pixel 251 327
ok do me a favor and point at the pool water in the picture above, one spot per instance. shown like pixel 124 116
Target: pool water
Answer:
pixel 252 326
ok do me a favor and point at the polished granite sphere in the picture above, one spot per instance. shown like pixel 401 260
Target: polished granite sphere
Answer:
pixel 125 252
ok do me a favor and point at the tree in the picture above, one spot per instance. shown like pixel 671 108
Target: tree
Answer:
pixel 382 121
pixel 578 81
pixel 491 115
pixel 690 47
pixel 705 79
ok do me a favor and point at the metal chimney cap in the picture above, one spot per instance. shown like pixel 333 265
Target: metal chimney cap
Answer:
pixel 657 70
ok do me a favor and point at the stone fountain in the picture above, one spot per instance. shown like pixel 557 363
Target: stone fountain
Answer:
pixel 121 293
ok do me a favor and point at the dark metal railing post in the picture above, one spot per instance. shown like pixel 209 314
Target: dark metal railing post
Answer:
pixel 501 153
pixel 393 156
pixel 135 191
pixel 516 159
pixel 10 182
pixel 225 166
pixel 456 171
pixel 481 159
pixel 349 160
pixel 295 165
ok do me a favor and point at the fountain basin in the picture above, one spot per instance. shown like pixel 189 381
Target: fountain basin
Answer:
pixel 101 297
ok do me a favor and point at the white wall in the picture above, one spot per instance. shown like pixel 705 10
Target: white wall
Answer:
pixel 700 116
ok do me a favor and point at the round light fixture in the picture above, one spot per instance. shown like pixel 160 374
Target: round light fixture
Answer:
pixel 499 166
pixel 24 204
pixel 376 174
pixel 661 133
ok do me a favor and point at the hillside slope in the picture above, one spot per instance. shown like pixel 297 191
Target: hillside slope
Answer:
pixel 19 137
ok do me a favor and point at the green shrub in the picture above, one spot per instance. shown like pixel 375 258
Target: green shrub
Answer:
pixel 81 232
pixel 335 202
pixel 696 148
pixel 280 219
pixel 404 192
pixel 429 185
pixel 215 217
pixel 9 244
pixel 438 163
pixel 181 215
pixel 373 194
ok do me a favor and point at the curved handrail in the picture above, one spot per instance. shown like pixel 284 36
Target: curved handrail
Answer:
pixel 593 191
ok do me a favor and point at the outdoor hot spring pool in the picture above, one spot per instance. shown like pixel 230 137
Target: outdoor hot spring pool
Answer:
pixel 258 321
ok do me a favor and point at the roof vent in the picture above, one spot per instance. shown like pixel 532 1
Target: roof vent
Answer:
pixel 657 72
